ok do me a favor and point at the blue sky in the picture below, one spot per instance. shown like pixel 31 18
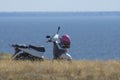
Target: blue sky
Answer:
pixel 59 5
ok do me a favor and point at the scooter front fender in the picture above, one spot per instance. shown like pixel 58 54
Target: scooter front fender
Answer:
pixel 66 56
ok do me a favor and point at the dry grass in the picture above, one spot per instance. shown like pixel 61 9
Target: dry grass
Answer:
pixel 58 70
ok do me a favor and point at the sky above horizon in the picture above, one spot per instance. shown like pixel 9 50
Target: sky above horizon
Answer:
pixel 59 5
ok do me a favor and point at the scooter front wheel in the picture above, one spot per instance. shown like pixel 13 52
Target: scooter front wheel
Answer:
pixel 66 56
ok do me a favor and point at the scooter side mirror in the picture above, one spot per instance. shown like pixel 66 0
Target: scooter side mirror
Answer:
pixel 48 36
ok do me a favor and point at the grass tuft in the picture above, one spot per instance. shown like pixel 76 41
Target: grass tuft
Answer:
pixel 58 70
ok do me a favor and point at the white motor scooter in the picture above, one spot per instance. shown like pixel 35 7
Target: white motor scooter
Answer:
pixel 31 52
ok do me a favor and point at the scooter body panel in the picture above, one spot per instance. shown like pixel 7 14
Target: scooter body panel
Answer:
pixel 33 52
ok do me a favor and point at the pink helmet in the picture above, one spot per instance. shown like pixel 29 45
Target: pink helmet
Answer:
pixel 65 39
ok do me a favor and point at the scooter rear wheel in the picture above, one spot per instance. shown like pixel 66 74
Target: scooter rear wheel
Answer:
pixel 26 56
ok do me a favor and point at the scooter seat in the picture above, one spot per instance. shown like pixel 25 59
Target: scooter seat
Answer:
pixel 38 48
pixel 19 45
